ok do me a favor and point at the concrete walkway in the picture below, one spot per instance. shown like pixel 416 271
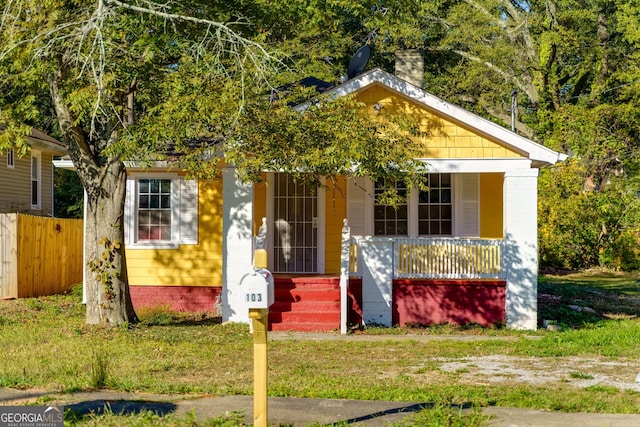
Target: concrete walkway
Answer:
pixel 296 411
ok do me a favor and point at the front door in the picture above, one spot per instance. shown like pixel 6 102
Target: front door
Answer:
pixel 295 217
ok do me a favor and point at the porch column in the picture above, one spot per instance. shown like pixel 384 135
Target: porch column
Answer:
pixel 377 280
pixel 237 244
pixel 521 251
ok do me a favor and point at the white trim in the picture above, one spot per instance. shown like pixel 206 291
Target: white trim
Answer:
pixel 11 159
pixel 270 221
pixel 539 154
pixel 412 214
pixel 521 252
pixel 64 164
pixel 522 173
pixel 177 200
pixel 237 244
pixel 37 156
pixel 321 206
pixel 369 203
pixel 154 175
pixel 475 165
pixel 360 205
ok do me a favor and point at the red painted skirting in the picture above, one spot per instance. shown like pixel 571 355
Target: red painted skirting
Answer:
pixel 426 302
pixel 178 298
pixel 354 303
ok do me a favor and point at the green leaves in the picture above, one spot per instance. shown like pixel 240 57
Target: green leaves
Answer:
pixel 328 139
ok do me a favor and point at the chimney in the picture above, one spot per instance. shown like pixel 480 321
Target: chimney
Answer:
pixel 410 66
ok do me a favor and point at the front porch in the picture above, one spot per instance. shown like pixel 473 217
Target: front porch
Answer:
pixel 427 281
pixel 487 277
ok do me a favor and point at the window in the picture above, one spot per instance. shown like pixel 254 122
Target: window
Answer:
pixel 36 186
pixel 154 210
pixel 450 209
pixel 434 207
pixel 429 213
pixel 390 221
pixel 161 211
pixel 10 159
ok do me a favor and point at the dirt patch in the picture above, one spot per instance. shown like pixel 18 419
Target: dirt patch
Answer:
pixel 575 371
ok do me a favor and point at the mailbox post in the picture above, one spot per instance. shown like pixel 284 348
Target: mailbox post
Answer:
pixel 258 294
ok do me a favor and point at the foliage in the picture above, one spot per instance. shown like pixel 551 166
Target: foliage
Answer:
pixel 328 138
pixel 68 194
pixel 88 61
pixel 572 68
pixel 181 81
pixel 582 227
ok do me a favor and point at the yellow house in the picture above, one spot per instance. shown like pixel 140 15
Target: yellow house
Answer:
pixel 463 252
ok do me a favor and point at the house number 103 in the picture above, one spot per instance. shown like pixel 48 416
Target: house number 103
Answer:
pixel 256 297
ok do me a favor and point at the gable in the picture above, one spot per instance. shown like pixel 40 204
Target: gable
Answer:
pixel 524 148
pixel 443 137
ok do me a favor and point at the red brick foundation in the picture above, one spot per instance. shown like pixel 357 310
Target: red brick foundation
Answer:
pixel 427 302
pixel 178 298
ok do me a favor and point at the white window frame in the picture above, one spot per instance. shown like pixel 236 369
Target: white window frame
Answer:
pixel 460 207
pixel 160 209
pixel 11 159
pixel 36 177
pixel 184 212
pixel 413 218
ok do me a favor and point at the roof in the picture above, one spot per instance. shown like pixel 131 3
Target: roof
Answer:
pixel 308 82
pixel 537 153
pixel 41 140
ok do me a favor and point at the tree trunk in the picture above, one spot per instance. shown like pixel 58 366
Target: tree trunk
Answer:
pixel 107 287
pixel 105 181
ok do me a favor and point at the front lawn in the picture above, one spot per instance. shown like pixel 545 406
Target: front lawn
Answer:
pixel 45 344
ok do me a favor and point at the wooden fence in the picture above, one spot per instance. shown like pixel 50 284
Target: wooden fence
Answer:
pixel 39 255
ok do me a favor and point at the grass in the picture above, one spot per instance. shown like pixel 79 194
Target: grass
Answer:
pixel 46 345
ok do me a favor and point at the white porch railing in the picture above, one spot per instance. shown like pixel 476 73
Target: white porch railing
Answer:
pixel 389 258
pixel 434 258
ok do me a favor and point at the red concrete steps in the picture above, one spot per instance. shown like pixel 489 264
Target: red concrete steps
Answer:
pixel 305 303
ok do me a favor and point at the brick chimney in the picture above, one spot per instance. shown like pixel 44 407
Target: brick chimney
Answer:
pixel 410 66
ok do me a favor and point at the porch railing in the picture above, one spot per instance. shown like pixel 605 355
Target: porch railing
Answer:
pixel 444 258
pixel 435 258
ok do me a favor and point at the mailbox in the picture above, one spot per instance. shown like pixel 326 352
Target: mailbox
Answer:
pixel 257 289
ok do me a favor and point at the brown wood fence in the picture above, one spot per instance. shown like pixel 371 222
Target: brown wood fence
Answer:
pixel 39 255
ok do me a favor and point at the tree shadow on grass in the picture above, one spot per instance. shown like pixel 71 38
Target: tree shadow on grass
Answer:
pixel 91 408
pixel 163 316
pixel 404 411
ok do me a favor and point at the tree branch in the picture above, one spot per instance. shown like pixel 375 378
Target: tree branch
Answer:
pixel 526 88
